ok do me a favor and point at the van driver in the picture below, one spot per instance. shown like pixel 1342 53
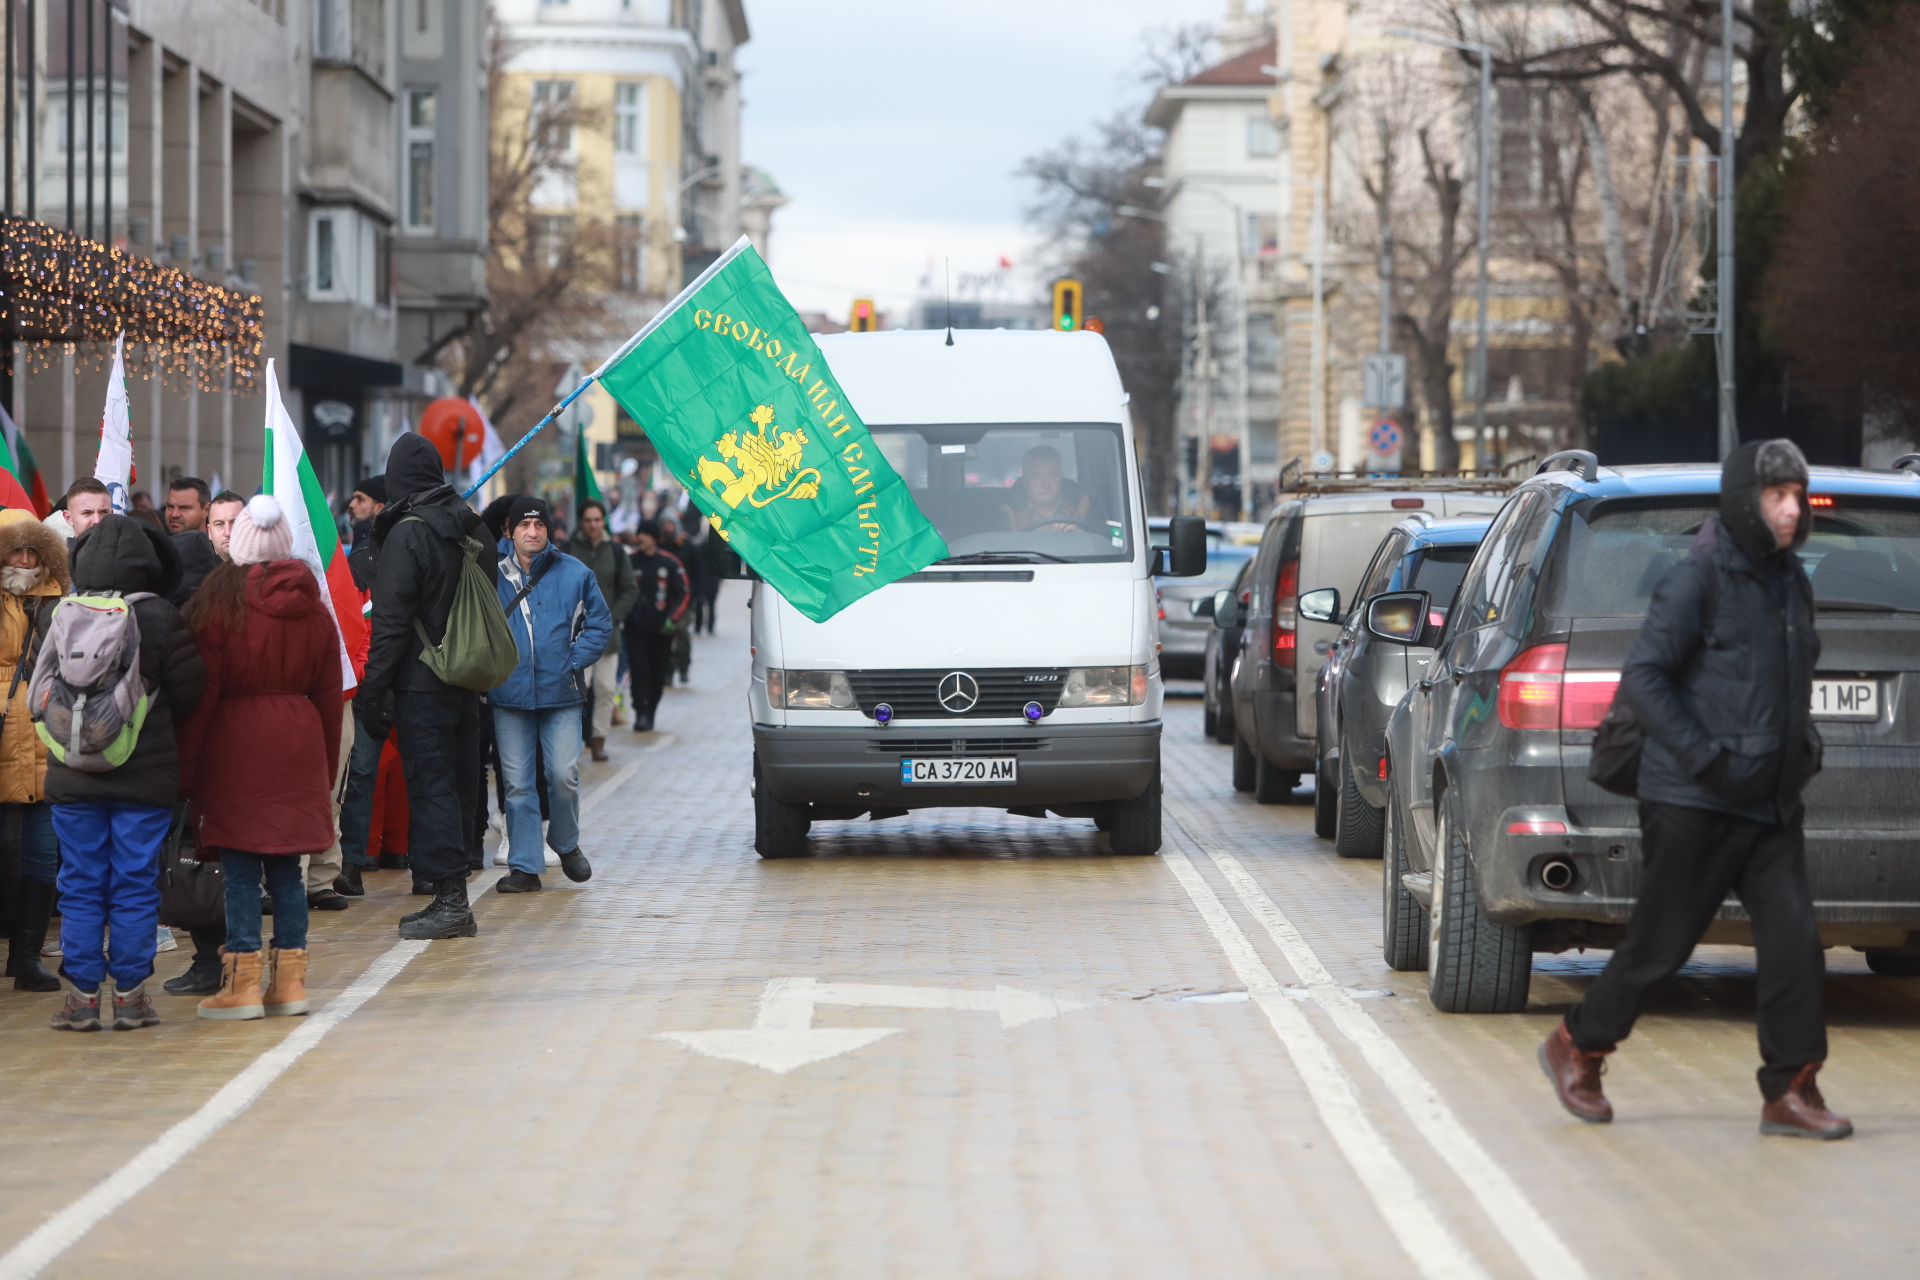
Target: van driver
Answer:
pixel 1054 504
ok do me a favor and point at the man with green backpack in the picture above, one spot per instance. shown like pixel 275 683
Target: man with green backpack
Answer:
pixel 439 638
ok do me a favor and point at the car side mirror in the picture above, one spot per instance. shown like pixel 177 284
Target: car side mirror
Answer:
pixel 1320 606
pixel 1186 547
pixel 1204 606
pixel 1226 608
pixel 1399 617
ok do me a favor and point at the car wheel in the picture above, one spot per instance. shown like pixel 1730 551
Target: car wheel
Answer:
pixel 1325 817
pixel 1136 822
pixel 1271 784
pixel 1225 734
pixel 1358 834
pixel 779 829
pixel 1403 921
pixel 1243 769
pixel 1473 964
pixel 1894 964
pixel 1210 723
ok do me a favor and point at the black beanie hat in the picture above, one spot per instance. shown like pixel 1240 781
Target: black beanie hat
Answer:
pixel 649 527
pixel 374 487
pixel 1749 469
pixel 522 505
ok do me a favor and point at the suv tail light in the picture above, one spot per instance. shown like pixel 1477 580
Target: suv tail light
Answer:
pixel 1286 594
pixel 1538 692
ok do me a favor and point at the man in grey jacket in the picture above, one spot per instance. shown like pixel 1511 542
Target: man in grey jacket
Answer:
pixel 595 548
pixel 1720 678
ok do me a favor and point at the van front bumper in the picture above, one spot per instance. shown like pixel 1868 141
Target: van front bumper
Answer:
pixel 855 767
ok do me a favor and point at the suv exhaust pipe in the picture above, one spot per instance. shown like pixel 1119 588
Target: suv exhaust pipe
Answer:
pixel 1558 874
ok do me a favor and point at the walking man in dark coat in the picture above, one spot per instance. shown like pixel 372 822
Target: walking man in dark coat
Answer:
pixel 1720 678
pixel 439 725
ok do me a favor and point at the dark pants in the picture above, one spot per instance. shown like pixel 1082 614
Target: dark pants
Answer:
pixel 1692 858
pixel 356 803
pixel 440 752
pixel 244 872
pixel 650 659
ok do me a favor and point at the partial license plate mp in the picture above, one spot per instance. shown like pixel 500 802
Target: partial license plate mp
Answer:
pixel 1846 699
pixel 948 771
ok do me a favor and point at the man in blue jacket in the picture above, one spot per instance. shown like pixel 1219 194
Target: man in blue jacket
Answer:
pixel 562 625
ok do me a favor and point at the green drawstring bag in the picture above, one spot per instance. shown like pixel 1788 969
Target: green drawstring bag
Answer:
pixel 477 652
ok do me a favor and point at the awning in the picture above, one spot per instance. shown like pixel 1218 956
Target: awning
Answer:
pixel 322 367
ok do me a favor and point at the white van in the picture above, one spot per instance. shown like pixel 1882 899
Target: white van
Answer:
pixel 1022 672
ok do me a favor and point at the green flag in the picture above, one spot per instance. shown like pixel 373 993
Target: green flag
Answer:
pixel 741 406
pixel 585 484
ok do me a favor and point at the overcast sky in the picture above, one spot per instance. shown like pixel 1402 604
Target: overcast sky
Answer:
pixel 895 126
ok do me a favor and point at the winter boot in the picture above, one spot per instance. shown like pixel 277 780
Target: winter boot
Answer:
pixel 575 864
pixel 447 916
pixel 517 882
pixel 348 884
pixel 239 997
pixel 1801 1112
pixel 392 861
pixel 201 978
pixel 326 900
pixel 81 1012
pixel 599 748
pixel 288 992
pixel 423 887
pixel 133 1009
pixel 32 909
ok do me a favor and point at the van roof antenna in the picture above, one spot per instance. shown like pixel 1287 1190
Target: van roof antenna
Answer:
pixel 949 267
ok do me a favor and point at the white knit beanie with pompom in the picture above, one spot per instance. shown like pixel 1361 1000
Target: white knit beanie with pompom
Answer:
pixel 261 533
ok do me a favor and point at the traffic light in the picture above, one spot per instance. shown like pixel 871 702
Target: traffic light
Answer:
pixel 1069 299
pixel 864 319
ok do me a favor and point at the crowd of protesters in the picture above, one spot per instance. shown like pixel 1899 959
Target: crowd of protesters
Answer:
pixel 241 745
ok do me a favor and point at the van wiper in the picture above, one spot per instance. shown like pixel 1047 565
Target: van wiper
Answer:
pixel 1864 606
pixel 1004 557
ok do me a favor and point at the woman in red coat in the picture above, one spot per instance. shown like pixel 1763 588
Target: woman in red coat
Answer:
pixel 258 757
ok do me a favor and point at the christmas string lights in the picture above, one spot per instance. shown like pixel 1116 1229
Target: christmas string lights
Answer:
pixel 63 293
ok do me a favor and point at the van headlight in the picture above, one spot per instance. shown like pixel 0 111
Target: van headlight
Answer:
pixel 1104 687
pixel 810 690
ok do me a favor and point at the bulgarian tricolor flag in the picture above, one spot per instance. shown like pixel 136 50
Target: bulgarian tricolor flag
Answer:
pixel 316 540
pixel 20 483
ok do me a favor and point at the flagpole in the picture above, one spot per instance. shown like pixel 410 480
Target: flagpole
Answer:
pixel 738 246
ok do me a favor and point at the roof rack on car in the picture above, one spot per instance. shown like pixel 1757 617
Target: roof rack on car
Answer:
pixel 1907 462
pixel 1296 479
pixel 1568 459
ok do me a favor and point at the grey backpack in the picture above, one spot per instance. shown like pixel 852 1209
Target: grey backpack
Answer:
pixel 87 697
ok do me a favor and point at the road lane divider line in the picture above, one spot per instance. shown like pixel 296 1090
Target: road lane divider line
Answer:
pixel 66 1228
pixel 1430 1245
pixel 624 774
pixel 1540 1248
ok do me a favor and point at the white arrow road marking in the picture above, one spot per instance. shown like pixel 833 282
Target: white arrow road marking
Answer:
pixel 783 1035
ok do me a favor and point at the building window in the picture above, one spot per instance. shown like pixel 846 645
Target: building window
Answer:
pixel 630 241
pixel 553 116
pixel 1263 140
pixel 552 238
pixel 333 29
pixel 1526 144
pixel 421 108
pixel 1263 235
pixel 326 253
pixel 629 117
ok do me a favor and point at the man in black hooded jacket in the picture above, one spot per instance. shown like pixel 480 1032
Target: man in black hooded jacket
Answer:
pixel 417 542
pixel 1720 678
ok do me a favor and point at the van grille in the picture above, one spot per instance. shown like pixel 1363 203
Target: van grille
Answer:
pixel 915 695
pixel 956 746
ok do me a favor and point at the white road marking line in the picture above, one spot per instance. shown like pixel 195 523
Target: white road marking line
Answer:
pixel 65 1229
pixel 1015 1006
pixel 1429 1244
pixel 1539 1247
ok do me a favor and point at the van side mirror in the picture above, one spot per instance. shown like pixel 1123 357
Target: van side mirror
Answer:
pixel 1399 617
pixel 730 565
pixel 1186 547
pixel 1320 606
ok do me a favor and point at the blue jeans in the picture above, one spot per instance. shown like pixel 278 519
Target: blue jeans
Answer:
pixel 109 871
pixel 356 804
pixel 557 731
pixel 282 871
pixel 39 850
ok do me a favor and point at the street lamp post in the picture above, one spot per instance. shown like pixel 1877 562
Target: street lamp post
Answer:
pixel 1482 439
pixel 1245 433
pixel 1729 427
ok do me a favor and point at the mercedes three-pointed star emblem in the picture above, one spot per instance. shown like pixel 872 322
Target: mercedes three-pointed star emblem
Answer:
pixel 959 691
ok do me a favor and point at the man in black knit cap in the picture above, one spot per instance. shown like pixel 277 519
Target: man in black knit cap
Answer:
pixel 1720 678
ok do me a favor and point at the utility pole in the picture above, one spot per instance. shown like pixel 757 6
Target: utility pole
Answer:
pixel 1386 288
pixel 1204 359
pixel 1723 340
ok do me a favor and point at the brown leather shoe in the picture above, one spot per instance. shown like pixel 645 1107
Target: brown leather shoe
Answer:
pixel 599 748
pixel 1801 1112
pixel 1576 1076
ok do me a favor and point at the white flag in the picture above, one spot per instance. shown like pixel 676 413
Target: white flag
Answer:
pixel 114 465
pixel 490 446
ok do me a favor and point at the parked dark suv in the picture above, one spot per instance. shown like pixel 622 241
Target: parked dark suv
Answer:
pixel 1366 677
pixel 1498 846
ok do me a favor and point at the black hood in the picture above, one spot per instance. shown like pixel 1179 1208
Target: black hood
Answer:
pixel 1748 470
pixel 413 467
pixel 124 554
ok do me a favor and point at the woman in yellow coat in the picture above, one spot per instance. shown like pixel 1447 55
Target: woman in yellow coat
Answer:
pixel 33 577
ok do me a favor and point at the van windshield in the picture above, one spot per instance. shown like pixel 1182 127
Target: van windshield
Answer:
pixel 1048 493
pixel 1861 558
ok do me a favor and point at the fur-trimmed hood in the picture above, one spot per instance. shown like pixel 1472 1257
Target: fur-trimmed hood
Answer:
pixel 19 529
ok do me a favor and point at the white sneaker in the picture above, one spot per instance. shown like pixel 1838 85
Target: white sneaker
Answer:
pixel 500 855
pixel 553 859
pixel 163 941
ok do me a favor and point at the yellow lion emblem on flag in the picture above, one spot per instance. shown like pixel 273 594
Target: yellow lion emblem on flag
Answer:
pixel 765 463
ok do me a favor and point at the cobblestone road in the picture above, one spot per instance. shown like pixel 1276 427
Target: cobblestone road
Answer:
pixel 517 1105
